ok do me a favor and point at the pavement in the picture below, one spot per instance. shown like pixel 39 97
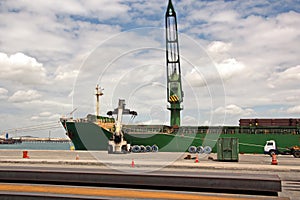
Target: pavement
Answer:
pixel 153 161
pixel 287 168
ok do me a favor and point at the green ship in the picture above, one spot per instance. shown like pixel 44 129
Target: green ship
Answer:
pixel 95 132
pixel 89 134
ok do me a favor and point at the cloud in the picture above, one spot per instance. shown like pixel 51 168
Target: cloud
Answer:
pixel 219 47
pixel 24 96
pixel 64 73
pixel 229 67
pixel 252 47
pixel 46 116
pixel 226 70
pixel 22 69
pixel 3 93
pixel 228 16
pixel 57 33
pixel 288 78
pixel 195 78
pixel 234 110
pixel 292 98
pixel 260 66
pixel 103 10
pixel 294 110
pixel 189 120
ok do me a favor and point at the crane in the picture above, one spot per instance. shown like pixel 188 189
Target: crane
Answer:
pixel 117 143
pixel 174 86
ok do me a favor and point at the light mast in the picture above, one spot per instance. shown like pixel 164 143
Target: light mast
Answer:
pixel 98 93
pixel 174 87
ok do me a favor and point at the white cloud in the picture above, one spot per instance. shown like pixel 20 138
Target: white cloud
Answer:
pixel 253 46
pixel 293 98
pixel 226 70
pixel 288 78
pixel 294 110
pixel 234 110
pixel 65 72
pixel 55 117
pixel 189 120
pixel 3 93
pixel 263 54
pixel 229 67
pixel 46 116
pixel 206 123
pixel 196 79
pixel 228 16
pixel 219 47
pixel 22 69
pixel 24 96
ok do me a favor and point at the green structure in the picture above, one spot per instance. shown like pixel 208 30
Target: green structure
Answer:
pixel 228 149
pixel 174 87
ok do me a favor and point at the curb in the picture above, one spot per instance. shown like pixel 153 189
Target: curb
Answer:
pixel 208 166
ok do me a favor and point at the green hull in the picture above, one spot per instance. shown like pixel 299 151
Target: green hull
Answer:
pixel 89 136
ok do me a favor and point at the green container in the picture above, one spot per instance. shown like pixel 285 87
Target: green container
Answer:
pixel 228 149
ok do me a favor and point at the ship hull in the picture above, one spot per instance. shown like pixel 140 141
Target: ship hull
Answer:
pixel 89 136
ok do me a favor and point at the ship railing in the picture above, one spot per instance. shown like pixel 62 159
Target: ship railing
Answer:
pixel 144 130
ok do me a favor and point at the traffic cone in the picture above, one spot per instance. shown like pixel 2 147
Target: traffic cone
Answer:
pixel 25 154
pixel 197 159
pixel 274 160
pixel 132 163
pixel 77 157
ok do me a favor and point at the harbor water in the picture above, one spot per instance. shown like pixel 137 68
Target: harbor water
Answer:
pixel 39 145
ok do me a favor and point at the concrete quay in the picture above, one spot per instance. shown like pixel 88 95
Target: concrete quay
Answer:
pixel 247 162
pixel 288 167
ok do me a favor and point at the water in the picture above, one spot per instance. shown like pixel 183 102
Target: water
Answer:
pixel 39 145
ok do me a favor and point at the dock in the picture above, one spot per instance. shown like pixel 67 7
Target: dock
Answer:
pixel 38 139
pixel 253 174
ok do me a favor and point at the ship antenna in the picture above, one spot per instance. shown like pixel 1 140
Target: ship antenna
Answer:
pixel 98 93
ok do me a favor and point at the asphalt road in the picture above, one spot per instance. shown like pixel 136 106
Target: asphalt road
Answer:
pixel 33 180
pixel 9 190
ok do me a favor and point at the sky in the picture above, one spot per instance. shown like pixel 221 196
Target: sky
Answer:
pixel 239 59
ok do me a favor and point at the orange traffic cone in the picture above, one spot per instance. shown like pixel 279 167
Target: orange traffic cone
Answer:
pixel 25 154
pixel 274 160
pixel 77 157
pixel 132 163
pixel 197 159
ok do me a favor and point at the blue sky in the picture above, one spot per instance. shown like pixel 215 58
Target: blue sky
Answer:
pixel 239 59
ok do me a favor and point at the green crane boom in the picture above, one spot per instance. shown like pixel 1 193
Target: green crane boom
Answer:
pixel 174 87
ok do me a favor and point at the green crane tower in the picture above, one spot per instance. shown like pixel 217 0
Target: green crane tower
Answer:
pixel 174 87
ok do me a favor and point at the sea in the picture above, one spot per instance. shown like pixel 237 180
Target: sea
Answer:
pixel 39 145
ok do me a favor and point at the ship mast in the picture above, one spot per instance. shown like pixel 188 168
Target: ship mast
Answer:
pixel 174 87
pixel 98 94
